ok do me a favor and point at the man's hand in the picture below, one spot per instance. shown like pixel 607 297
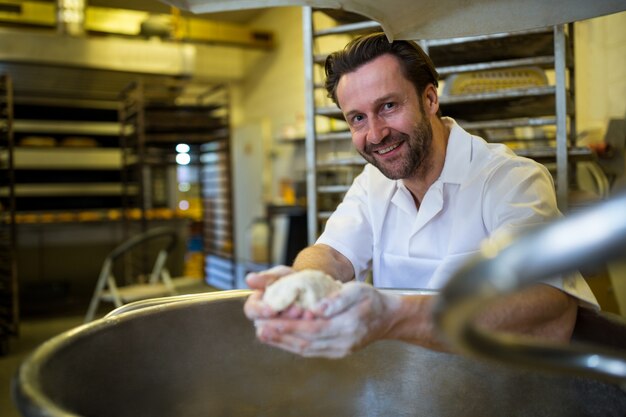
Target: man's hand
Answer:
pixel 258 281
pixel 341 324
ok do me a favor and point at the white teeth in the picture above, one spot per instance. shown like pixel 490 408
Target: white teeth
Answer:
pixel 387 149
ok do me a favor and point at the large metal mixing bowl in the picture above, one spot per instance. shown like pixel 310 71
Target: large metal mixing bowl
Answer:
pixel 198 356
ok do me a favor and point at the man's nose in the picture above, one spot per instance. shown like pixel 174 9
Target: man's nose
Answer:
pixel 377 130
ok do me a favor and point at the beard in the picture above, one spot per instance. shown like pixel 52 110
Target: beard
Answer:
pixel 416 159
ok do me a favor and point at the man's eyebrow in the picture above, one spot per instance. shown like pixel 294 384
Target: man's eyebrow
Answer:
pixel 385 99
pixel 350 114
pixel 381 100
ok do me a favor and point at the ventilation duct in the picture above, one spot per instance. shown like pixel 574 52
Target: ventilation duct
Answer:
pixel 437 19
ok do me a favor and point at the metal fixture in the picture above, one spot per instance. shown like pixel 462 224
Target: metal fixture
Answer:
pixel 585 239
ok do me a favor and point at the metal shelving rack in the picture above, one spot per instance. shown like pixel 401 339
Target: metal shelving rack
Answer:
pixel 9 303
pixel 498 116
pixel 495 115
pixel 217 194
pixel 327 155
pixel 154 119
pixel 132 146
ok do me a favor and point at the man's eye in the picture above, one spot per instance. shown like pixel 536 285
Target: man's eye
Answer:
pixel 388 106
pixel 357 118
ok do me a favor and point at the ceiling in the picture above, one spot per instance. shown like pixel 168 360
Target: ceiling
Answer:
pixel 91 67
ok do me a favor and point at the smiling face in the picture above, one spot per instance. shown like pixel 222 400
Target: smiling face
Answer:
pixel 389 126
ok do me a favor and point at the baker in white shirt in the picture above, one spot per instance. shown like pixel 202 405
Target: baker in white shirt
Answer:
pixel 429 196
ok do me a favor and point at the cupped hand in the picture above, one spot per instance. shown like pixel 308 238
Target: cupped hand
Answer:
pixel 255 308
pixel 260 280
pixel 339 325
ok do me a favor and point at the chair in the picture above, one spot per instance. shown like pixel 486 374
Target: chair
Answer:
pixel 158 283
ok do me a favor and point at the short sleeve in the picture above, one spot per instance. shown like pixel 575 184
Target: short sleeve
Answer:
pixel 349 230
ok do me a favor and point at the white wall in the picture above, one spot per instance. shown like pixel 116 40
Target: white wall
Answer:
pixel 601 95
pixel 600 72
pixel 267 102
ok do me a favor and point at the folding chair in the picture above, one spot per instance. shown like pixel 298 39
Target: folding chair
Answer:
pixel 159 283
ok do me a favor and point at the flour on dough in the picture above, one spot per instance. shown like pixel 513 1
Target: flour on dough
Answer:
pixel 304 289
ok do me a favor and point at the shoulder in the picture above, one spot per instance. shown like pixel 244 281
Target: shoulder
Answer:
pixel 497 163
pixel 511 169
pixel 519 192
pixel 471 159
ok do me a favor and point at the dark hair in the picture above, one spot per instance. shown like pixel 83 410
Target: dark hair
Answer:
pixel 416 66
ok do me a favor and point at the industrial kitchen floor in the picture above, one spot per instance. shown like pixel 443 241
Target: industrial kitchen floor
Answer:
pixel 33 332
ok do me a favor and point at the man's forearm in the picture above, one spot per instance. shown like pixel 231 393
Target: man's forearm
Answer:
pixel 541 311
pixel 326 259
pixel 412 322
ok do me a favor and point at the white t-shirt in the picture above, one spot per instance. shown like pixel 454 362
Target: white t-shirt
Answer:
pixel 482 188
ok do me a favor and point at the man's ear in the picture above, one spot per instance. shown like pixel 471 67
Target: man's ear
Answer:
pixel 430 99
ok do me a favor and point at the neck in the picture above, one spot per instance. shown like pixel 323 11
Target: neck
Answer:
pixel 430 169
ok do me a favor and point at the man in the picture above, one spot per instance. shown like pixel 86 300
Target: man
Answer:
pixel 429 196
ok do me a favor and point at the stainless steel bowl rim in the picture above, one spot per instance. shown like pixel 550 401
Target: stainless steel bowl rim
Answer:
pixel 30 368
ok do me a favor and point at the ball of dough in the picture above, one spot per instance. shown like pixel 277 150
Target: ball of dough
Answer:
pixel 304 289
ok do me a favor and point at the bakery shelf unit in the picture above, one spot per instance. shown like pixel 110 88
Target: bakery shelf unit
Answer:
pixel 513 88
pixel 66 174
pixel 177 162
pixel 9 311
pixel 66 156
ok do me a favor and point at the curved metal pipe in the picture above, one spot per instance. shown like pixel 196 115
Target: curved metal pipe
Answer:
pixel 587 238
